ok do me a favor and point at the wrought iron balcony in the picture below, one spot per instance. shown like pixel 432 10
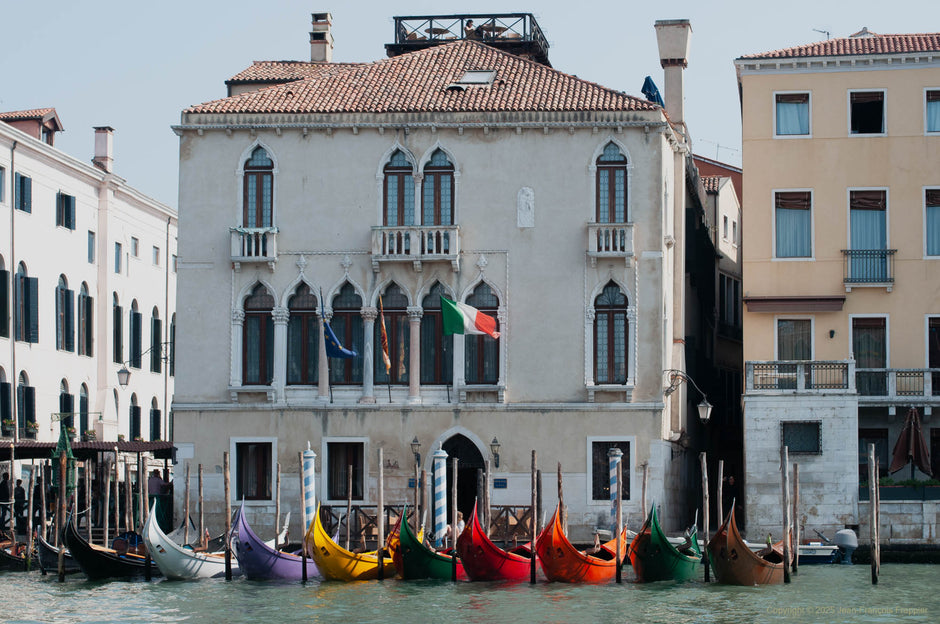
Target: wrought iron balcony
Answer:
pixel 610 240
pixel 897 385
pixel 250 245
pixel 416 244
pixel 868 267
pixel 787 376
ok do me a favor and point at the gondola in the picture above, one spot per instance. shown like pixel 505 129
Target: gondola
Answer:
pixel 736 564
pixel 259 561
pixel 48 556
pixel 485 561
pixel 655 558
pixel 98 562
pixel 12 555
pixel 414 560
pixel 336 563
pixel 561 561
pixel 177 562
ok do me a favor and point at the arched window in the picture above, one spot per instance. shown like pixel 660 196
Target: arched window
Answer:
pixel 437 192
pixel 259 190
pixel 26 406
pixel 396 326
pixel 482 351
pixel 303 338
pixel 136 320
pixel 86 316
pixel 83 424
pixel 437 363
pixel 117 331
pixel 134 418
pixel 610 336
pixel 64 316
pixel 4 299
pixel 156 341
pixel 66 405
pixel 258 352
pixel 25 306
pixel 156 424
pixel 172 362
pixel 6 402
pixel 399 191
pixel 611 185
pixel 347 325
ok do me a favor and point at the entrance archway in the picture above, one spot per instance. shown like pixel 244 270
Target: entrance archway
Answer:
pixel 469 460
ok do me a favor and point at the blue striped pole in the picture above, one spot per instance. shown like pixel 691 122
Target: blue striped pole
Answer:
pixel 310 491
pixel 440 495
pixel 614 455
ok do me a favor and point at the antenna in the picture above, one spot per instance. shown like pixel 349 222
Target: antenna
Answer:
pixel 824 32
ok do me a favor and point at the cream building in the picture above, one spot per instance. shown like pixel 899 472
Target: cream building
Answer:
pixel 87 284
pixel 841 288
pixel 551 203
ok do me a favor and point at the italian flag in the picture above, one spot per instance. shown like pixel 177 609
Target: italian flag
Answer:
pixel 459 318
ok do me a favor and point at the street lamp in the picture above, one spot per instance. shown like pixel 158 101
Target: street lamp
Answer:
pixel 494 447
pixel 674 378
pixel 124 376
pixel 415 448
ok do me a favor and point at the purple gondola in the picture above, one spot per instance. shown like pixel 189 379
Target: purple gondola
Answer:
pixel 258 561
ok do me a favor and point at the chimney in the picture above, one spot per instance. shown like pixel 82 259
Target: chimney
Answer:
pixel 673 37
pixel 321 40
pixel 103 148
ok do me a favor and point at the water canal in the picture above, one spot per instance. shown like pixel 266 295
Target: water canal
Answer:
pixel 906 593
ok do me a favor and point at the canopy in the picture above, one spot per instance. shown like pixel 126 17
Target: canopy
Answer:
pixel 31 449
pixel 911 446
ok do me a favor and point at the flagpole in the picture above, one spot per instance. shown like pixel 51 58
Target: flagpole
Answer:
pixel 329 381
pixel 444 351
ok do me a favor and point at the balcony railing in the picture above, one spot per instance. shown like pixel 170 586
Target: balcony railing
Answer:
pixel 868 266
pixel 800 376
pixel 254 245
pixel 897 384
pixel 610 240
pixel 416 244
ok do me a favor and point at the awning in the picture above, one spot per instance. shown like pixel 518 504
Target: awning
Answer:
pixel 911 446
pixel 32 449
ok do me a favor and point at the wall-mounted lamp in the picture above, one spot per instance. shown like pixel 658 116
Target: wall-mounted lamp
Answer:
pixel 832 333
pixel 674 379
pixel 494 447
pixel 415 448
pixel 124 376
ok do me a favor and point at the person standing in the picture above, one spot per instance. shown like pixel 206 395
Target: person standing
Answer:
pixel 19 506
pixel 5 501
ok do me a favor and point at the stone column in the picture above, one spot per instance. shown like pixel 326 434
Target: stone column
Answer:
pixel 369 314
pixel 323 365
pixel 589 346
pixel 502 315
pixel 279 380
pixel 238 325
pixel 414 354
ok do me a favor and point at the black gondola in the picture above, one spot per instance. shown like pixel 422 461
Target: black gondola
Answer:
pixel 101 563
pixel 9 560
pixel 49 558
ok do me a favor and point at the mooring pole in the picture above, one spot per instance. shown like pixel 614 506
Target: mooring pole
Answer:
pixel 561 502
pixel 29 517
pixel 227 484
pixel 202 517
pixel 453 520
pixel 60 513
pixel 796 517
pixel 785 484
pixel 417 506
pixel 185 509
pixel 349 485
pixel 380 518
pixel 719 491
pixel 873 513
pixel 643 498
pixel 704 463
pixel 533 519
pixel 614 455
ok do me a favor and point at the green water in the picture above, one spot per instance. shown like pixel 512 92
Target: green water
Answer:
pixel 905 593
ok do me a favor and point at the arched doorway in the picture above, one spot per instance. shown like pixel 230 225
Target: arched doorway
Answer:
pixel 469 460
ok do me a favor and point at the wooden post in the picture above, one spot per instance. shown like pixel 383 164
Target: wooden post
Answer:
pixel 417 493
pixel 643 501
pixel 29 516
pixel 348 501
pixel 380 518
pixel 453 520
pixel 60 513
pixel 532 519
pixel 88 482
pixel 561 502
pixel 128 499
pixel 719 493
pixel 878 515
pixel 424 494
pixel 142 483
pixel 117 495
pixel 481 496
pixel 9 503
pixel 43 503
pixel 619 556
pixel 202 516
pixel 186 509
pixel 873 513
pixel 705 531
pixel 227 485
pixel 304 520
pixel 106 491
pixel 785 484
pixel 487 508
pixel 538 498
pixel 796 517
pixel 277 505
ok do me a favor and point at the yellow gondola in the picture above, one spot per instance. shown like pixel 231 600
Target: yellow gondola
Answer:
pixel 336 563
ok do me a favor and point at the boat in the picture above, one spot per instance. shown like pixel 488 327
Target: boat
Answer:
pixel 260 561
pixel 338 564
pixel 12 555
pixel 655 558
pixel 414 560
pixel 48 556
pixel 735 563
pixel 177 562
pixel 485 561
pixel 561 561
pixel 98 562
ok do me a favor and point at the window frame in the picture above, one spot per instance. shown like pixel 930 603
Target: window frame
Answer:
pixel 927 131
pixel 812 223
pixel 795 317
pixel 135 247
pixel 791 451
pixel 259 174
pixel 92 247
pixel 433 175
pixel 84 322
pixel 397 322
pixel 233 468
pixel 923 199
pixel 404 176
pixel 22 192
pixel 809 113
pixel 441 369
pixel 609 168
pixel 884 112
pixel 118 258
pixel 348 371
pixel 613 312
pixel 265 339
pixel 589 468
pixel 479 341
pixel 65 211
pixel 306 360
pixel 325 467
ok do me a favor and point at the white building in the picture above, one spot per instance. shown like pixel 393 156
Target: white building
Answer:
pixel 549 202
pixel 87 284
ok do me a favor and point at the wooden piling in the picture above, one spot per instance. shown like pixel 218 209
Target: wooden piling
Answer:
pixel 349 482
pixel 533 521
pixel 380 518
pixel 128 499
pixel 29 516
pixel 417 504
pixel 619 503
pixel 644 509
pixel 304 520
pixel 705 531
pixel 142 483
pixel 453 520
pixel 487 507
pixel 277 504
pixel 561 502
pixel 796 517
pixel 117 495
pixel 60 513
pixel 873 514
pixel 202 515
pixel 481 497
pixel 538 499
pixel 186 508
pixel 719 492
pixel 42 497
pixel 12 515
pixel 787 535
pixel 424 494
pixel 227 486
pixel 88 482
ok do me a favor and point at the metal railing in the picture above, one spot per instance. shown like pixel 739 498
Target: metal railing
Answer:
pixel 800 375
pixel 254 244
pixel 868 266
pixel 909 383
pixel 421 29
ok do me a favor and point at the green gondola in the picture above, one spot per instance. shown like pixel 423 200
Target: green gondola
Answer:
pixel 655 558
pixel 414 560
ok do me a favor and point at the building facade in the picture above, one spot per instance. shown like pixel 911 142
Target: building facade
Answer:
pixel 359 194
pixel 87 286
pixel 842 316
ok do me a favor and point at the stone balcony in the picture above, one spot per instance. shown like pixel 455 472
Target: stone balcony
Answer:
pixel 254 245
pixel 416 244
pixel 610 240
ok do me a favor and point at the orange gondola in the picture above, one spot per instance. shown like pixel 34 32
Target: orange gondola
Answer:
pixel 736 564
pixel 561 561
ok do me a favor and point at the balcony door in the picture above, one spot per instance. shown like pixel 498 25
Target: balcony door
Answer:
pixel 933 353
pixel 870 347
pixel 868 233
pixel 794 342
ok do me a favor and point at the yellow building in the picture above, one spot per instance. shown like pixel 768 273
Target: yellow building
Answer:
pixel 841 271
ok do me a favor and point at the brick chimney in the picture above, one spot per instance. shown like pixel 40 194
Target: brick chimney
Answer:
pixel 103 148
pixel 321 40
pixel 673 37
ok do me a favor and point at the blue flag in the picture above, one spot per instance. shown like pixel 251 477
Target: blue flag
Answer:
pixel 333 348
pixel 651 92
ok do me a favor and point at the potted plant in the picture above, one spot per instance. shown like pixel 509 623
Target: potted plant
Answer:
pixel 70 432
pixel 31 428
pixel 120 437
pixel 89 435
pixel 8 426
pixel 138 439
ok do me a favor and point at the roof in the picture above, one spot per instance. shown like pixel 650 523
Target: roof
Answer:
pixel 32 449
pixel 866 43
pixel 286 71
pixel 711 183
pixel 419 81
pixel 34 114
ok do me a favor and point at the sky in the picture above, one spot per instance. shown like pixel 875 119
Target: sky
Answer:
pixel 135 66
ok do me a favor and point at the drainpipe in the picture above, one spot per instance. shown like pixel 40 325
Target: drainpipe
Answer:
pixel 14 379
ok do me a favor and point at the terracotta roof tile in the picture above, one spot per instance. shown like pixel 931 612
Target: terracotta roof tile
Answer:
pixel 417 82
pixel 286 71
pixel 856 46
pixel 711 183
pixel 34 113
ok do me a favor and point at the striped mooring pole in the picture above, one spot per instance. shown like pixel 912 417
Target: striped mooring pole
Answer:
pixel 614 456
pixel 310 488
pixel 440 495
